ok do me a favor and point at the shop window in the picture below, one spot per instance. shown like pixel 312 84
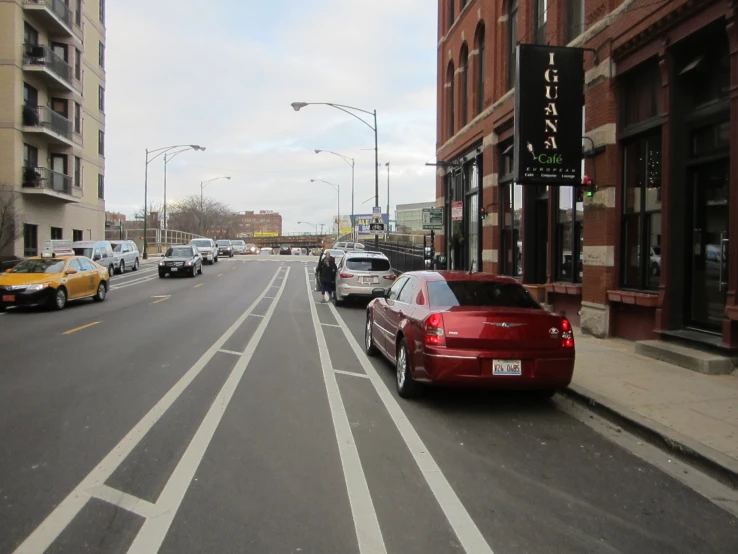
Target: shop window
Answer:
pixel 512 42
pixel 704 70
pixel 569 235
pixel 511 215
pixel 641 241
pixel 472 227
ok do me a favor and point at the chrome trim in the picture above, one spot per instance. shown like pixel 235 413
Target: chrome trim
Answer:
pixel 504 324
pixel 385 331
pixel 450 356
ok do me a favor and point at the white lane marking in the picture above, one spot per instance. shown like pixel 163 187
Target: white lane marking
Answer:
pixel 224 351
pixel 55 523
pixel 458 517
pixel 113 286
pixel 128 502
pixel 330 325
pixel 368 532
pixel 154 530
pixel 351 373
pixel 258 315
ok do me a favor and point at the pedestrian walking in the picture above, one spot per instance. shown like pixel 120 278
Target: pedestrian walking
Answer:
pixel 327 275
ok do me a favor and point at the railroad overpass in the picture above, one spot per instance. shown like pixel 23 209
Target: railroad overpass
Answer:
pixel 296 241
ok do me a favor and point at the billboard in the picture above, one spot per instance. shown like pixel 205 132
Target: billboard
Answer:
pixel 265 234
pixel 549 95
pixel 363 221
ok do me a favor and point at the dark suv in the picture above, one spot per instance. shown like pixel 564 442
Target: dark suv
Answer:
pixel 285 250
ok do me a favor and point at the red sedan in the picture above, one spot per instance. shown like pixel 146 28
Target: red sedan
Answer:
pixel 455 328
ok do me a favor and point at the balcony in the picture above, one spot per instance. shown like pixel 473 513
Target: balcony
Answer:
pixel 55 16
pixel 52 125
pixel 56 73
pixel 45 182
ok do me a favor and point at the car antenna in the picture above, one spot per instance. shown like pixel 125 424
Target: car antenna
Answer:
pixel 471 267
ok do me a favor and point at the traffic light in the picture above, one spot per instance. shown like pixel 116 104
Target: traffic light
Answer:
pixel 591 188
pixel 482 213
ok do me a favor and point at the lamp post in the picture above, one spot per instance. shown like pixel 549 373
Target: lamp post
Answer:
pixel 203 184
pixel 338 193
pixel 167 158
pixel 352 163
pixel 313 225
pixel 157 152
pixel 297 106
pixel 388 202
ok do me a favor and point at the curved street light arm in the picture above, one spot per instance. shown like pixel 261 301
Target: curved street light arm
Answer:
pixel 353 114
pixel 349 161
pixel 166 149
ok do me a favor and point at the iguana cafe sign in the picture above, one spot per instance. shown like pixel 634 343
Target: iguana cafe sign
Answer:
pixel 549 95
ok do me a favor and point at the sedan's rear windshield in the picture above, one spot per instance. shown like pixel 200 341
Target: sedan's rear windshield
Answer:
pixel 485 294
pixel 179 253
pixel 203 243
pixel 368 264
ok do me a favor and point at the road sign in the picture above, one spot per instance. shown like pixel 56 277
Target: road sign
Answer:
pixel 433 219
pixel 377 212
pixel 457 210
pixel 376 226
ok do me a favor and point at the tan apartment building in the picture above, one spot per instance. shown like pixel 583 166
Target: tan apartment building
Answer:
pixel 52 119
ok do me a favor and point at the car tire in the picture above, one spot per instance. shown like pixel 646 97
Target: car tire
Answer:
pixel 336 301
pixel 122 268
pixel 111 270
pixel 216 260
pixel 369 347
pixel 59 301
pixel 406 386
pixel 193 273
pixel 102 292
pixel 135 265
pixel 199 271
pixel 161 275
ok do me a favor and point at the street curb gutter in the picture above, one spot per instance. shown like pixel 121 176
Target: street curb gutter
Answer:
pixel 708 460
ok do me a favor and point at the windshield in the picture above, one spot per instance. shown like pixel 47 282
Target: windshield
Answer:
pixel 368 264
pixel 181 252
pixel 86 252
pixel 487 294
pixel 201 243
pixel 48 265
pixel 223 243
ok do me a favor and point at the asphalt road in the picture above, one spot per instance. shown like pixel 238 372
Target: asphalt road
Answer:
pixel 234 413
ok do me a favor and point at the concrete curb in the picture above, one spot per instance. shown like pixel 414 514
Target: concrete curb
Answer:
pixel 708 460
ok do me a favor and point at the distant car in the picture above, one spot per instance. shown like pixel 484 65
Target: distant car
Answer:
pixel 450 327
pixel 99 251
pixel 225 248
pixel 266 251
pixel 285 250
pixel 127 252
pixel 297 251
pixel 251 249
pixel 181 259
pixel 207 248
pixel 239 246
pixel 348 246
pixel 363 274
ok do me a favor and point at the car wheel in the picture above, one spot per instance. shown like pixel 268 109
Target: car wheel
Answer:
pixel 216 260
pixel 122 268
pixel 193 273
pixel 337 302
pixel 161 275
pixel 406 387
pixel 60 299
pixel 369 347
pixel 135 265
pixel 200 270
pixel 111 270
pixel 102 292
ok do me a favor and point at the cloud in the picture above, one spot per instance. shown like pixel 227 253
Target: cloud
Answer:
pixel 223 75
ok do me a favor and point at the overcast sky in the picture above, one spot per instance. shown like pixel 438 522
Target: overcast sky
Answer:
pixel 223 74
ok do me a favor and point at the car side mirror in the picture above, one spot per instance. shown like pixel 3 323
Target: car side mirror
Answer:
pixel 96 257
pixel 71 271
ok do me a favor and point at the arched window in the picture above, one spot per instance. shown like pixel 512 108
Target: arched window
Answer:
pixel 451 100
pixel 479 46
pixel 464 92
pixel 512 42
pixel 451 14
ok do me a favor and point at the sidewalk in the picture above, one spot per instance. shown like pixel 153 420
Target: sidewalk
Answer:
pixel 696 415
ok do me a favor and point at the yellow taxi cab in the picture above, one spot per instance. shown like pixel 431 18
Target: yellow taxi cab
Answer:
pixel 52 279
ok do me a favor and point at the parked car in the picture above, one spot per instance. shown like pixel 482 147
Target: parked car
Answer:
pixel 100 252
pixel 348 246
pixel 285 250
pixel 225 248
pixel 297 251
pixel 337 255
pixel 266 251
pixel 239 246
pixel 453 328
pixel 127 252
pixel 251 249
pixel 181 259
pixel 207 248
pixel 363 274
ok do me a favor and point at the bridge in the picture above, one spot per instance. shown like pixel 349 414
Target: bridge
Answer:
pixel 296 241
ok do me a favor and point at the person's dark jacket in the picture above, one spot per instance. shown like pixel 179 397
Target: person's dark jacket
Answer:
pixel 327 271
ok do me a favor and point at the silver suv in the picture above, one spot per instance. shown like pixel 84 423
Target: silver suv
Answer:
pixel 363 274
pixel 126 252
pixel 208 250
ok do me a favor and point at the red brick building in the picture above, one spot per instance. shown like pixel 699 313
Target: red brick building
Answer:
pixel 263 221
pixel 648 254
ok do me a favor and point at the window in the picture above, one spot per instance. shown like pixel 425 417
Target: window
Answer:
pixel 78 14
pixel 101 54
pixel 30 35
pixel 445 294
pixel 101 11
pixel 77 118
pixel 101 98
pixel 101 142
pixel 641 211
pixel 541 18
pixel 464 85
pixel 462 5
pixel 480 68
pixel 368 264
pixel 30 240
pixel 451 15
pixel 395 289
pixel 511 200
pixel 30 156
pixel 77 235
pixel 77 171
pixel 574 19
pixel 451 100
pixel 406 295
pixel 569 235
pixel 85 264
pixel 101 187
pixel 640 93
pixel 56 233
pixel 30 95
pixel 512 42
pixel 77 64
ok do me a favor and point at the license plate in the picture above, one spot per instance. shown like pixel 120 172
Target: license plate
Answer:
pixel 174 269
pixel 369 280
pixel 507 367
pixel 8 298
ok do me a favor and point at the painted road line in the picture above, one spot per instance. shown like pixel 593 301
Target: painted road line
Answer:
pixel 154 530
pixel 198 286
pixel 368 533
pixel 132 283
pixel 58 520
pixel 257 315
pixel 330 325
pixel 351 373
pixel 80 328
pixel 220 275
pixel 230 352
pixel 160 300
pixel 128 502
pixel 466 530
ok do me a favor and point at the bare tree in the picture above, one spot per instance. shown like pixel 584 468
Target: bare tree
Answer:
pixel 210 218
pixel 10 222
pixel 154 214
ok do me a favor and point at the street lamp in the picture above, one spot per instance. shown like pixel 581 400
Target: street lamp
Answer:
pixel 338 192
pixel 297 106
pixel 158 152
pixel 167 158
pixel 388 202
pixel 313 225
pixel 352 163
pixel 203 184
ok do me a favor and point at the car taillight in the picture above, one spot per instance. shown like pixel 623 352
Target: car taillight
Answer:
pixel 434 332
pixel 567 337
pixel 346 275
pixel 389 277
